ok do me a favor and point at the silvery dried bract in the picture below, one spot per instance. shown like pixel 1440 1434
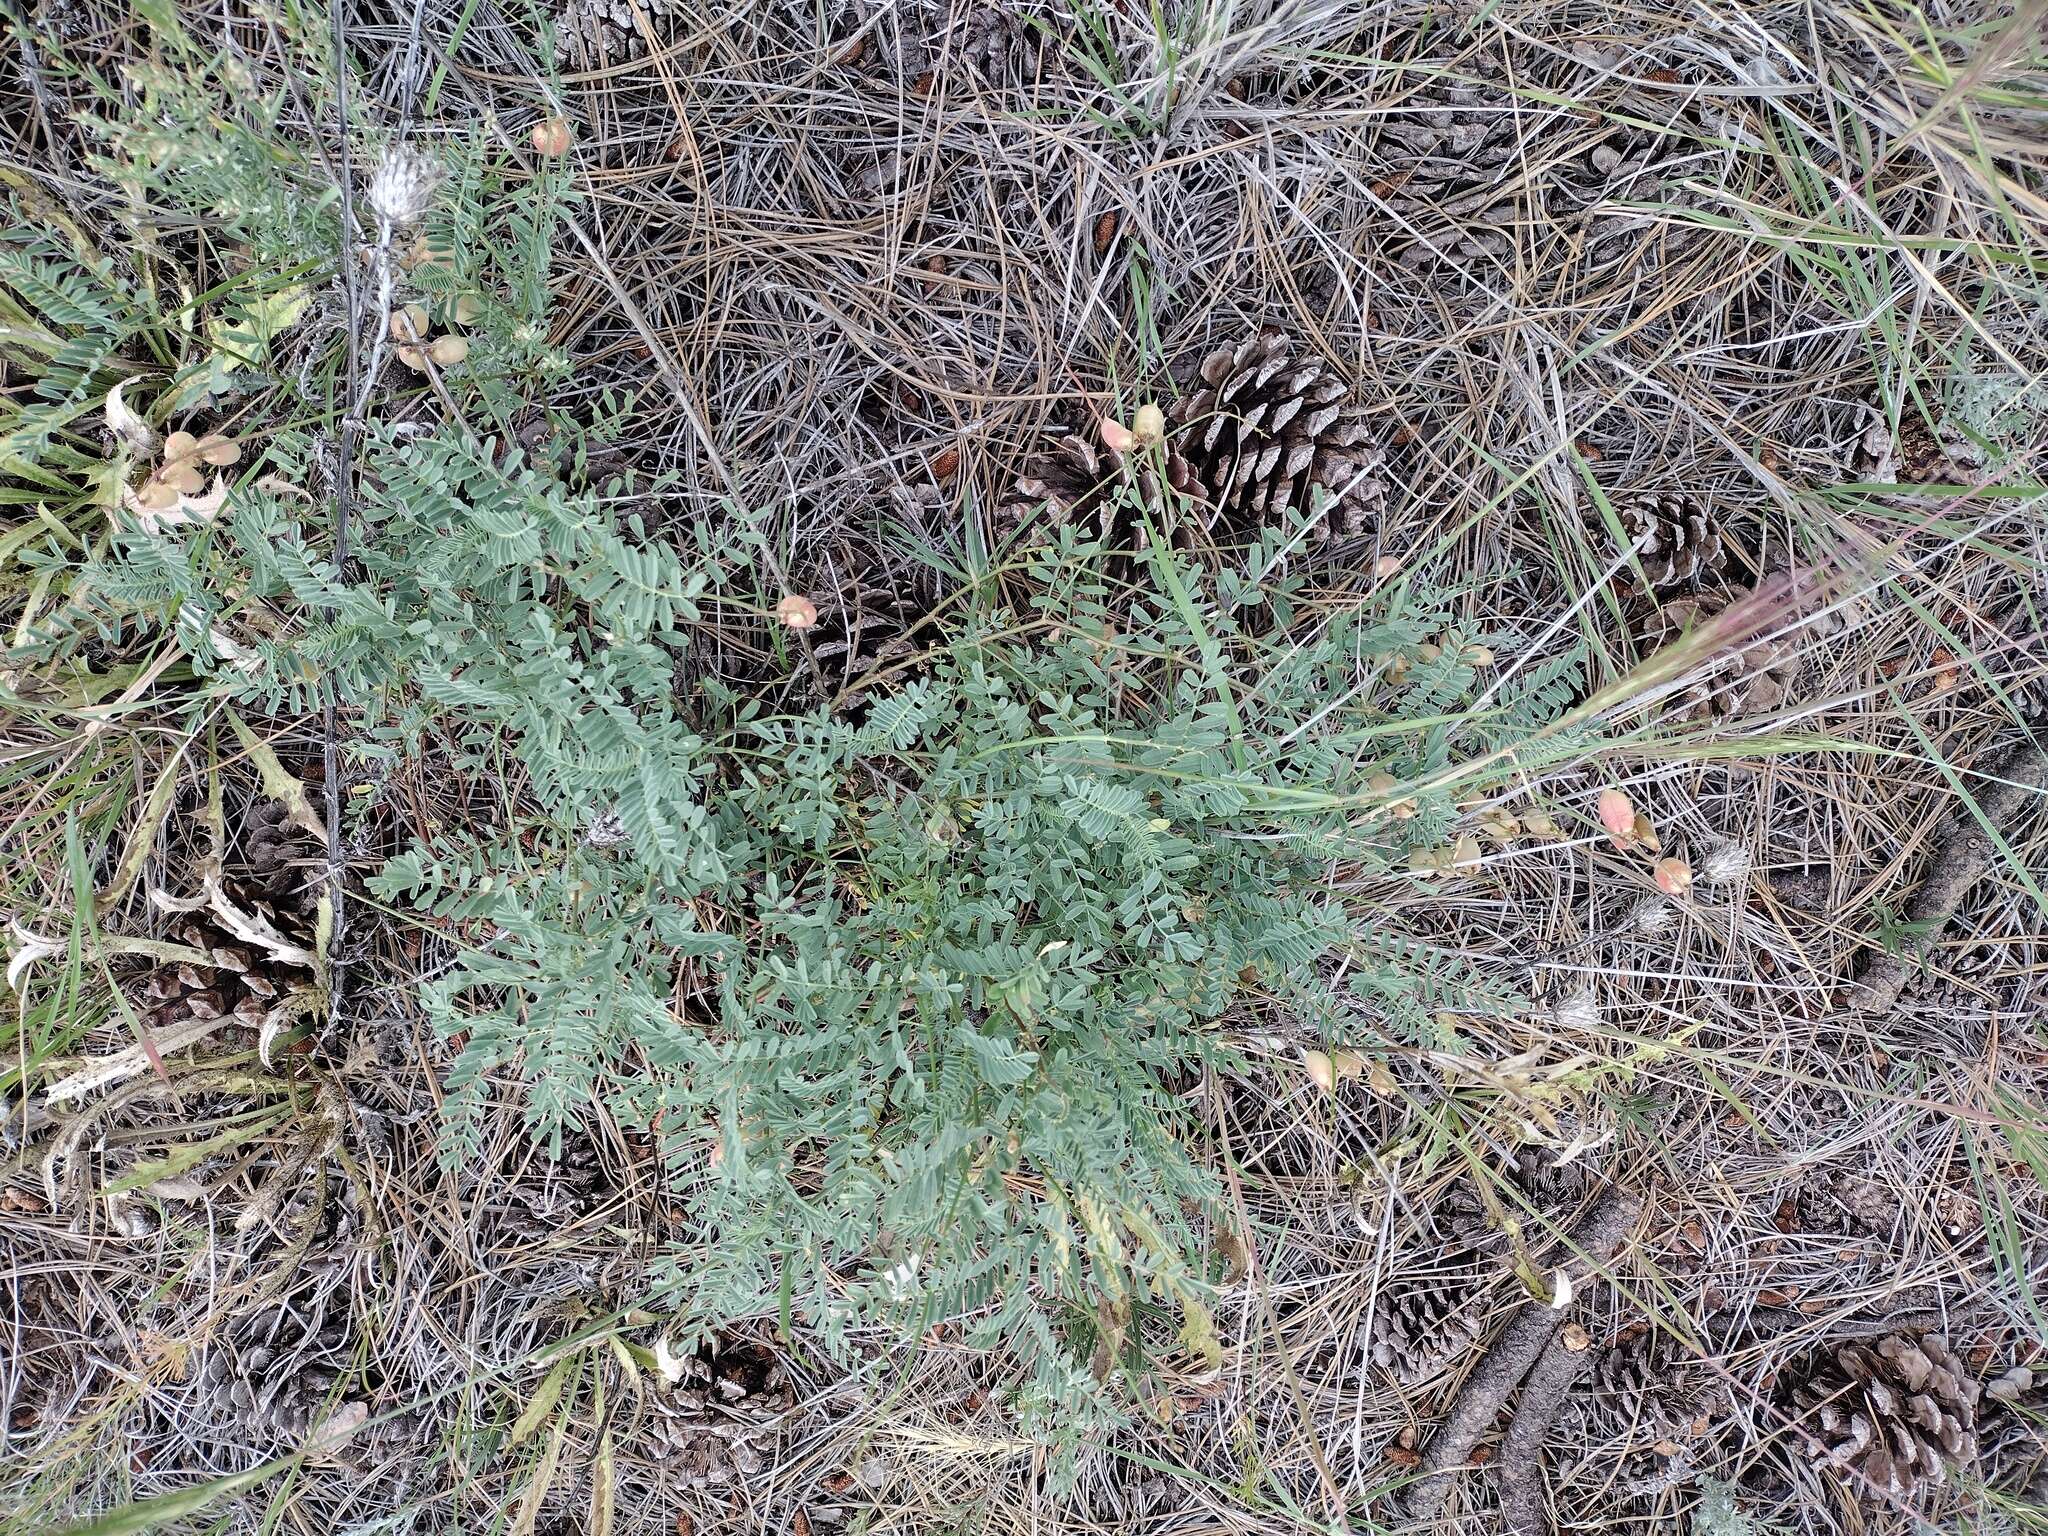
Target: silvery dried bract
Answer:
pixel 403 185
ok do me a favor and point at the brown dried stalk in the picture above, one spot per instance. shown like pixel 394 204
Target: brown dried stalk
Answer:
pixel 1561 1364
pixel 1507 1361
pixel 1962 853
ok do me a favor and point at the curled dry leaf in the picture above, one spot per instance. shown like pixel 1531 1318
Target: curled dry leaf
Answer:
pixel 160 509
pixel 135 433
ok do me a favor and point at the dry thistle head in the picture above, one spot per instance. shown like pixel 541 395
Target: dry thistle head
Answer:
pixel 402 187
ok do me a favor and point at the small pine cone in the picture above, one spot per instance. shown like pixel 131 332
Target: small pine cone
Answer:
pixel 1423 1327
pixel 1451 176
pixel 716 1428
pixel 272 1381
pixel 1675 538
pixel 1917 454
pixel 1273 430
pixel 1846 1202
pixel 1081 481
pixel 1899 1410
pixel 285 863
pixel 1002 43
pixel 1755 679
pixel 1640 1390
pixel 867 608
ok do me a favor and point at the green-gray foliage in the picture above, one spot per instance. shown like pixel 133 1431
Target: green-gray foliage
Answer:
pixel 913 999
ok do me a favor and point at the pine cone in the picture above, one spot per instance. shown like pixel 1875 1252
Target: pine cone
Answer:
pixel 1755 679
pixel 1424 1326
pixel 284 862
pixel 1274 430
pixel 1899 1411
pixel 1003 44
pixel 1452 174
pixel 1844 1203
pixel 240 981
pixel 1676 538
pixel 1102 491
pixel 717 1427
pixel 1642 1391
pixel 550 1194
pixel 274 1378
pixel 867 607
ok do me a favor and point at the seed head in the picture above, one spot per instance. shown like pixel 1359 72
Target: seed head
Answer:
pixel 403 185
pixel 1725 864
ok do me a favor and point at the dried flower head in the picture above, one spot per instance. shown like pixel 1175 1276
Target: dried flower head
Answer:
pixel 1651 916
pixel 403 185
pixel 1725 864
pixel 1577 1011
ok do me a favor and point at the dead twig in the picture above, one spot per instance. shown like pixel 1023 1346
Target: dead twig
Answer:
pixel 1962 854
pixel 1562 1363
pixel 1507 1361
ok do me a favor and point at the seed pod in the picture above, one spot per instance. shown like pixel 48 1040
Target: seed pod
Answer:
pixel 409 322
pixel 447 351
pixel 552 137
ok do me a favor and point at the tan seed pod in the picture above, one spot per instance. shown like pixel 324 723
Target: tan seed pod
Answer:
pixel 797 611
pixel 1321 1070
pixel 409 322
pixel 447 351
pixel 467 309
pixel 413 358
pixel 552 136
pixel 1148 426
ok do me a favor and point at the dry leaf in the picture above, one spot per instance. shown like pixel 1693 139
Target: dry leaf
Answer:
pixel 130 428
